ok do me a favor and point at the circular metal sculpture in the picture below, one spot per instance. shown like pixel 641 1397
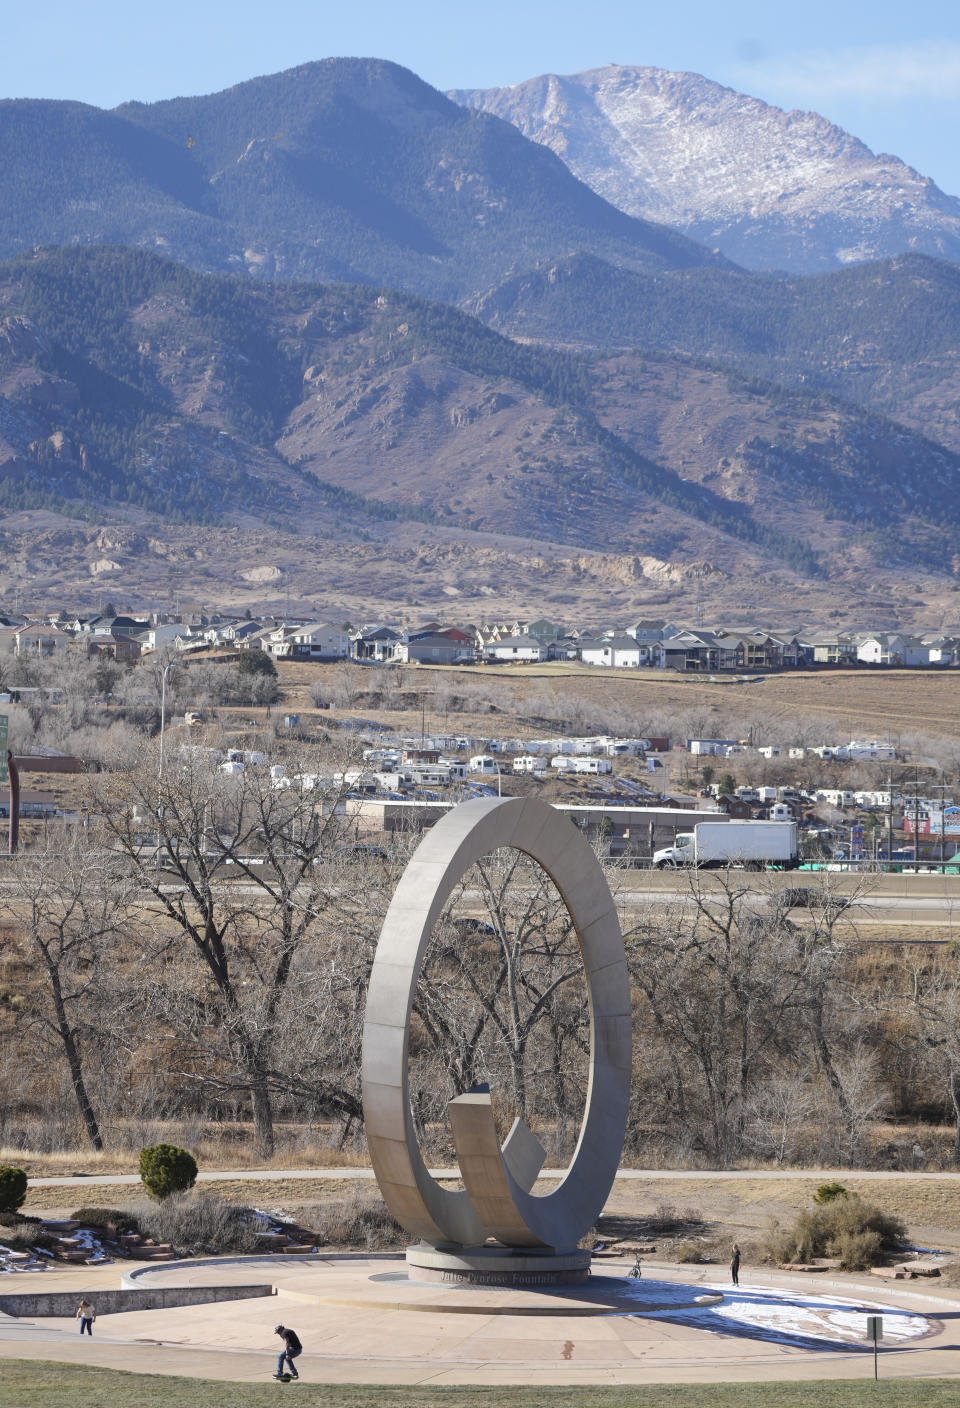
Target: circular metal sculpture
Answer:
pixel 496 1201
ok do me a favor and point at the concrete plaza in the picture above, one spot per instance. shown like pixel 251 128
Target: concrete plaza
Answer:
pixel 361 1322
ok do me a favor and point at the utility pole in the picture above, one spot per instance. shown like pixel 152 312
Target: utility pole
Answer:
pixel 890 821
pixel 13 779
pixel 941 787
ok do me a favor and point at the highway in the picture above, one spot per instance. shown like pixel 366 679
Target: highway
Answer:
pixel 878 900
pixel 875 900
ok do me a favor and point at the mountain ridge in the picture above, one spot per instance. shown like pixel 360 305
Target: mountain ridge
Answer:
pixel 773 189
pixel 647 403
pixel 368 444
pixel 127 377
pixel 884 335
pixel 352 170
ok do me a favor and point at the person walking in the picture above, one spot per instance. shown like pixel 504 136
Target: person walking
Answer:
pixel 86 1315
pixel 735 1264
pixel 291 1348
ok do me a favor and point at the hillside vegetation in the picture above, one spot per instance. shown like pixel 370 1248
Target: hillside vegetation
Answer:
pixel 346 169
pixel 886 335
pixel 129 378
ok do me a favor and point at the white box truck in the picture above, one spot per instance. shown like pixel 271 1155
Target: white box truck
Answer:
pixel 756 845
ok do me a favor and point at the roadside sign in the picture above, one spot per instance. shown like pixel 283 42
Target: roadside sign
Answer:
pixel 3 748
pixel 875 1333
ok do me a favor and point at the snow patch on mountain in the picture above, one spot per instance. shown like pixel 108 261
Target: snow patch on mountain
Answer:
pixel 772 189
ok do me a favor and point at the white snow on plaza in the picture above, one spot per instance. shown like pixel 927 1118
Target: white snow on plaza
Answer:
pixel 781 1316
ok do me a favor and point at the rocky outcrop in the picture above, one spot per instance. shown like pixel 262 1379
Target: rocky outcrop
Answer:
pixel 20 338
pixel 122 540
pixel 262 575
pixel 104 567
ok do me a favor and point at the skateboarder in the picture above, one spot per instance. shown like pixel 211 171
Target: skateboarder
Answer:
pixel 735 1264
pixel 86 1315
pixel 291 1348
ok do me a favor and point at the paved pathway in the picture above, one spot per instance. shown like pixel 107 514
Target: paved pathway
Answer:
pixel 652 1175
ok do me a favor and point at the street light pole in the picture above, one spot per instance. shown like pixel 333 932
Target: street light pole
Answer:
pixel 163 711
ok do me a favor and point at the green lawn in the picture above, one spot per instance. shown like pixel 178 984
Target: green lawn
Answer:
pixel 24 1384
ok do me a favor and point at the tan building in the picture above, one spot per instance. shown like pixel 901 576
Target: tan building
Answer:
pixel 35 638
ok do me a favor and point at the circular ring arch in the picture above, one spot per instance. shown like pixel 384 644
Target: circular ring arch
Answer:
pixel 435 1214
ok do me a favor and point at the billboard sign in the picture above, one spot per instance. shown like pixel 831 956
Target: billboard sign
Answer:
pixel 934 823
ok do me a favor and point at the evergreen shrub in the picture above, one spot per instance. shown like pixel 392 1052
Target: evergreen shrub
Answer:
pixel 165 1169
pixel 13 1188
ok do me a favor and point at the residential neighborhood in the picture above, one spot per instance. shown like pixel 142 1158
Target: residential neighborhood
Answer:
pixel 824 784
pixel 646 644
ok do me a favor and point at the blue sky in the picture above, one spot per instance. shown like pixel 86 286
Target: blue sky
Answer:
pixel 890 73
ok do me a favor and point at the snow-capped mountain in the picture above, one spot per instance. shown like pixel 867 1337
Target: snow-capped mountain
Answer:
pixel 771 189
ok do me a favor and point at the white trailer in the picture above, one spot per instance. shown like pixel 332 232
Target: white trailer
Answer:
pixel 755 845
pixel 426 774
pixel 870 750
pixel 594 766
pixel 484 764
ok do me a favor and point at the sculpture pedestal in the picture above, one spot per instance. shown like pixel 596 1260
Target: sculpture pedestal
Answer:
pixel 496 1266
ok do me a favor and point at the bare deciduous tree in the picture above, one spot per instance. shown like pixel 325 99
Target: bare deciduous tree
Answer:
pixel 72 897
pixel 721 994
pixel 930 996
pixel 246 873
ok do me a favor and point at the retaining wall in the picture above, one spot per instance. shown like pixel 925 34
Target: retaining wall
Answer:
pixel 112 1302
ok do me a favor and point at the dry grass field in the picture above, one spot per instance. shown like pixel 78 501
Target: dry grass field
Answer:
pixel 260 1192
pixel 731 1208
pixel 865 703
pixel 538 700
pixel 884 703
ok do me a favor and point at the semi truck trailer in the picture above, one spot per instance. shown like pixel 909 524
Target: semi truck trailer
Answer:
pixel 756 845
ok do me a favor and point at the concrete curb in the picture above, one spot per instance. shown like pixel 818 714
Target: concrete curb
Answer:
pixel 132 1279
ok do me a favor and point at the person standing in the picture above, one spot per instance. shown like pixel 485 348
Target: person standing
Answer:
pixel 735 1265
pixel 291 1348
pixel 86 1315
